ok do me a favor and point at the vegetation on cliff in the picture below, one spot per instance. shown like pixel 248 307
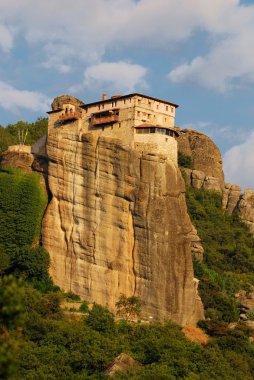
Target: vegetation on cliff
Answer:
pixel 22 204
pixel 229 255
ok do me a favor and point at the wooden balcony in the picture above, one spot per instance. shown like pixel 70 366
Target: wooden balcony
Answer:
pixel 105 119
pixel 70 116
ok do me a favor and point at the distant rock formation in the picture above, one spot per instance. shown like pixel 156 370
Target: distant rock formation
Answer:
pixel 206 159
pixel 207 173
pixel 118 223
pixel 245 206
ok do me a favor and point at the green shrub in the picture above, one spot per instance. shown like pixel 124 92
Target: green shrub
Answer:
pixel 100 319
pixel 184 160
pixel 84 307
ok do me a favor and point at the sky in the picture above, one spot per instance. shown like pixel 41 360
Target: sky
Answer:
pixel 196 53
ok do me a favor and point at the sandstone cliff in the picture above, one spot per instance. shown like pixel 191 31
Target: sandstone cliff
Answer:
pixel 118 223
pixel 207 170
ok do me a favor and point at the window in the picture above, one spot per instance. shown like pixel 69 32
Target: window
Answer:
pixel 152 130
pixel 149 103
pixel 157 106
pixel 166 108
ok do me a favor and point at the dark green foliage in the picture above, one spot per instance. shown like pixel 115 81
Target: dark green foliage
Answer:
pixel 184 160
pixel 22 203
pixel 100 319
pixel 229 254
pixel 4 262
pixel 84 307
pixel 12 311
pixel 71 296
pixel 6 139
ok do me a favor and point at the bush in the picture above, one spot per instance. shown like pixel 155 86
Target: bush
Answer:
pixel 12 311
pixel 100 319
pixel 184 160
pixel 84 307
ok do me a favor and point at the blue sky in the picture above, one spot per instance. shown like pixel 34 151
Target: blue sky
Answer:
pixel 197 53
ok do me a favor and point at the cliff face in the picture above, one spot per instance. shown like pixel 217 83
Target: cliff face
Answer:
pixel 118 223
pixel 207 170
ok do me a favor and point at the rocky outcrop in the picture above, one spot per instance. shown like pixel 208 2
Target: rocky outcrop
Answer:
pixel 245 208
pixel 199 180
pixel 118 223
pixel 65 99
pixel 206 160
pixel 231 195
pixel 18 158
pixel 122 363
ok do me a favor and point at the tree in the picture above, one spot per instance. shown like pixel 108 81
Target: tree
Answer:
pixel 12 311
pixel 128 307
pixel 100 319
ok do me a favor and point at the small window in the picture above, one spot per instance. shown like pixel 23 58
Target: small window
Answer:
pixel 157 106
pixel 166 108
pixel 139 101
pixel 152 130
pixel 172 109
pixel 149 103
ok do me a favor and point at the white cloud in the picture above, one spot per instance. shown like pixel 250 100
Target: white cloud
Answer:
pixel 115 76
pixel 84 30
pixel 239 163
pixel 13 99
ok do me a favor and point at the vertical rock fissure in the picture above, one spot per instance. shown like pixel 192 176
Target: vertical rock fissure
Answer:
pixel 97 198
pixel 73 213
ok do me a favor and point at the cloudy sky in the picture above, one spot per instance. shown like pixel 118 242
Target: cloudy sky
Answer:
pixel 196 53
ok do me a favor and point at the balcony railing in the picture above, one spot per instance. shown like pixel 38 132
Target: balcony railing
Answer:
pixel 104 120
pixel 70 116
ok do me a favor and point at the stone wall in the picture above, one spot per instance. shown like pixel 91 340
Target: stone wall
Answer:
pixel 155 143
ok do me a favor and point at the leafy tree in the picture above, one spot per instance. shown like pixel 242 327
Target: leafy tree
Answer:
pixel 12 312
pixel 100 319
pixel 128 307
pixel 34 130
pixel 6 139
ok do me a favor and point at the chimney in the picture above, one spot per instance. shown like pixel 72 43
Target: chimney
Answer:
pixel 104 96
